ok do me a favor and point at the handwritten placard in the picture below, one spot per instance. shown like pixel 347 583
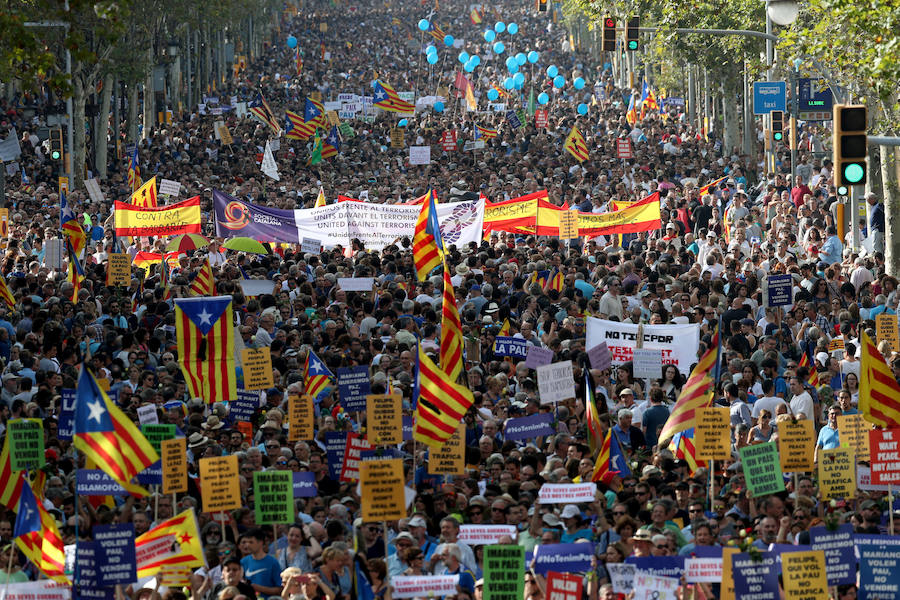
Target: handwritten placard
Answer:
pixel 257 363
pixel 219 479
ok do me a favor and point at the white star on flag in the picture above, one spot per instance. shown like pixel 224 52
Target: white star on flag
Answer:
pixel 205 317
pixel 97 410
pixel 380 95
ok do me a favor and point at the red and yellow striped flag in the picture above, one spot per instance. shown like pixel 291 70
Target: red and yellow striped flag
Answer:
pixel 451 331
pixel 203 284
pixel 6 294
pixel 697 393
pixel 38 538
pixel 428 248
pixel 441 404
pixel 879 392
pixel 576 146
pixel 11 482
pixel 813 378
pixel 711 185
pixel 190 551
pixel 205 334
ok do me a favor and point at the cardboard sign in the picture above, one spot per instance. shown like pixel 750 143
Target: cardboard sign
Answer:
pixel 169 187
pixel 654 587
pixel 333 118
pixel 156 434
pixel 257 363
pixel 383 413
pixel 621 575
pixel 356 284
pixel 26 444
pixel 420 155
pixel 449 458
pixel 538 357
pixel 225 135
pixel 94 191
pixel 556 382
pixel 568 224
pixel 219 480
pixel 147 414
pixel 883 446
pixel 712 433
pixel 380 483
pixel 567 493
pixel 727 573
pixel 600 357
pixel 564 586
pixel 804 575
pixel 854 433
pixel 837 476
pixel 64 185
pixel 886 329
pixel 353 385
pixel 481 535
pixel 301 415
pixel 174 465
pixel 397 139
pixel 273 497
pixel 504 572
pixel 797 445
pixel 448 140
pixel 310 246
pixel 352 451
pixel 118 269
pixel 117 560
pixel 423 586
pixel 762 470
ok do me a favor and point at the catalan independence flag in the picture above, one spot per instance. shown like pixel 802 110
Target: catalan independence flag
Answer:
pixel 451 330
pixel 108 437
pixel 440 405
pixel 592 415
pixel 36 534
pixel 682 446
pixel 435 32
pixel 295 128
pixel 879 393
pixel 611 459
pixel 576 145
pixel 190 551
pixel 555 281
pixel 134 171
pixel 317 376
pixel 71 228
pixel 205 334
pixel 387 99
pixel 76 272
pixel 813 378
pixel 428 247
pixel 11 482
pixel 484 132
pixel 332 144
pixel 6 295
pixel 259 108
pixel 697 393
pixel 203 284
pixel 314 113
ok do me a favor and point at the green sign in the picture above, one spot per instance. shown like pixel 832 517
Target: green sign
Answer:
pixel 273 497
pixel 346 131
pixel 762 469
pixel 157 434
pixel 504 572
pixel 26 444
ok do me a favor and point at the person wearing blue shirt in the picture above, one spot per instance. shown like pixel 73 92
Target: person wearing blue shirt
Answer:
pixel 832 250
pixel 451 556
pixel 260 569
pixel 828 435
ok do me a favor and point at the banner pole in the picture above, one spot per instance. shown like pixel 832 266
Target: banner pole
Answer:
pixel 891 506
pixel 712 482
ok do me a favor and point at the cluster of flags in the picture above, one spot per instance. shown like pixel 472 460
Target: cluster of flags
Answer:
pixel 637 109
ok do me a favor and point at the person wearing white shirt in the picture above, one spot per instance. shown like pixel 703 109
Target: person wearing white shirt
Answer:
pixel 801 402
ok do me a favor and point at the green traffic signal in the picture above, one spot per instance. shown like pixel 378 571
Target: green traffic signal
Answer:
pixel 778 136
pixel 853 172
pixel 632 45
pixel 842 191
pixel 55 155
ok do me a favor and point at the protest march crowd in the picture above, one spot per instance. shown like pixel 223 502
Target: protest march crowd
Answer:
pixel 368 344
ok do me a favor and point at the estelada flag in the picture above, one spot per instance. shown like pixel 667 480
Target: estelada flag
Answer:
pixel 205 334
pixel 576 145
pixel 145 197
pixel 175 219
pixel 182 528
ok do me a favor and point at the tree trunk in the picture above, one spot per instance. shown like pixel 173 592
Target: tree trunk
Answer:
pixel 101 136
pixel 133 102
pixel 890 175
pixel 79 151
pixel 731 134
pixel 207 62
pixel 149 96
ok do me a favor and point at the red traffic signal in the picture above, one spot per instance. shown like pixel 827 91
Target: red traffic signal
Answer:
pixel 609 34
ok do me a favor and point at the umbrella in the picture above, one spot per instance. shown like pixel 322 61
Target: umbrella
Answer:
pixel 187 241
pixel 245 244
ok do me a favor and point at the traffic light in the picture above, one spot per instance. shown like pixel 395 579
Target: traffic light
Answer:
pixel 777 126
pixel 56 144
pixel 850 144
pixel 632 32
pixel 542 5
pixel 609 34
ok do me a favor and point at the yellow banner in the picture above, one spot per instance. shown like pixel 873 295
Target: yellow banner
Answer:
pixel 643 216
pixel 183 217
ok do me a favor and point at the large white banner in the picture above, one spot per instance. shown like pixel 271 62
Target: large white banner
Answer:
pixel 678 343
pixel 35 590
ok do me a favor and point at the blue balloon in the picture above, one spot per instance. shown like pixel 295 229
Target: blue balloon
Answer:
pixel 512 68
pixel 552 71
pixel 430 50
pixel 403 123
pixel 559 81
pixel 469 67
pixel 519 78
pixel 432 58
pixel 97 233
pixel 291 42
pixel 476 60
pixel 543 98
pixel 493 94
pixel 439 107
pixel 582 109
pixel 533 56
pixel 499 48
pixel 423 24
pixel 521 59
pixel 578 83
pixel 489 36
pixel 499 26
pixel 512 29
pixel 518 85
pixel 448 40
pixel 509 83
pixel 463 57
pixel 510 60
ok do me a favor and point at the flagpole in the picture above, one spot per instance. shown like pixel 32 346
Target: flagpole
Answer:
pixel 712 482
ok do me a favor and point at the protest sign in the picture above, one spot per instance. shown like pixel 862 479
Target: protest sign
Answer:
pixel 796 445
pixel 678 343
pixel 147 414
pixel 480 535
pixel 397 138
pixel 43 589
pixel 600 357
pixel 538 357
pixel 804 575
pixel 504 572
pixel 840 555
pixel 621 575
pixel 26 444
pixel 879 566
pixel 356 284
pixel 273 497
pixel 350 466
pixel 646 362
pixel 310 245
pixel 257 364
pixel 335 443
pixel 755 578
pixel 661 566
pixel 420 155
pixel 257 287
pixel 837 478
pixel 301 424
pixel 563 586
pixel 855 434
pixel 712 433
pixel 556 382
pixel 244 406
pixel 118 269
pixel 885 456
pixel 383 424
pixel 169 187
pixel 654 587
pixel 568 224
pixel 567 493
pixel 886 330
pixel 86 565
pixel 66 414
pixel 305 484
pixel 565 558
pixel 449 458
pixel 354 386
pixel 174 465
pixel 380 481
pixel 219 480
pixel 423 586
pixel 509 346
pixel 117 562
pixel 728 592
pixel 528 427
pixel 762 470
pixel 703 570
pixel 157 433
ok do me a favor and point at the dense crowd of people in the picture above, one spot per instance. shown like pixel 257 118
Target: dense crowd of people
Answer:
pixel 705 265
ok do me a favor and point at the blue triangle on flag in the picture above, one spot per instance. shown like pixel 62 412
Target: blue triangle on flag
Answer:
pixel 204 313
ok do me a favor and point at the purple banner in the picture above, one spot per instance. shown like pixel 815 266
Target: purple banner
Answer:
pixel 563 558
pixel 755 578
pixel 239 218
pixel 529 427
pixel 840 555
